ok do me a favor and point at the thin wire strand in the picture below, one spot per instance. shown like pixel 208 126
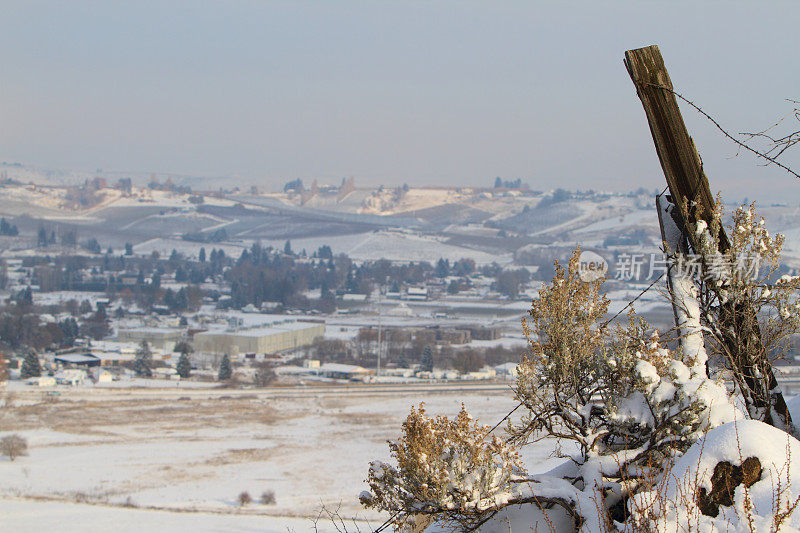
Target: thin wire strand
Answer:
pixel 607 322
pixel 506 417
pixel 697 108
pixel 387 523
pixel 603 326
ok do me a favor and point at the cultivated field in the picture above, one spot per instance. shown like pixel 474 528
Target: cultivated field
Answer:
pixel 101 454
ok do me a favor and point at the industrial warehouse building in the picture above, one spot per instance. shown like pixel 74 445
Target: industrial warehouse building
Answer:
pixel 158 338
pixel 264 338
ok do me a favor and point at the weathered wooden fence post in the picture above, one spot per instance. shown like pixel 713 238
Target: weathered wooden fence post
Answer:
pixel 693 201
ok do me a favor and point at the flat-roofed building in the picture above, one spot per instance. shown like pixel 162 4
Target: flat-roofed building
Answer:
pixel 74 360
pixel 157 338
pixel 417 293
pixel 266 338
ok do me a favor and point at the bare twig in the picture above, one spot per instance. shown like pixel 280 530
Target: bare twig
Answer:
pixel 770 159
pixel 779 144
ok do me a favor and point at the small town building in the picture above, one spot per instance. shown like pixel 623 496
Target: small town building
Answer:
pixel 74 360
pixel 341 371
pixel 265 337
pixel 70 376
pixel 157 338
pixel 417 293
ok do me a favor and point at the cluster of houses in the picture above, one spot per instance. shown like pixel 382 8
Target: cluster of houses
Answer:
pixel 337 371
pixel 249 334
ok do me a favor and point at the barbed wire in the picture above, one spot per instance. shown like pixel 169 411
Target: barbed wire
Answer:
pixel 602 326
pixel 607 322
pixel 387 523
pixel 770 159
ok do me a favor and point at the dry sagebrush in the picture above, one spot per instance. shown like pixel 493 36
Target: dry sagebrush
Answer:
pixel 630 405
pixel 452 468
pixel 749 313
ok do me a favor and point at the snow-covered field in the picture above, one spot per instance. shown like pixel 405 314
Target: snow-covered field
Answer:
pixel 394 246
pixel 26 515
pixel 107 455
pixel 164 247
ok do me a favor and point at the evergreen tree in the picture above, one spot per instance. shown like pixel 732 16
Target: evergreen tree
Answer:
pixel 225 368
pixel 427 359
pixel 287 248
pixel 143 364
pixel 184 367
pixel 30 366
pixel 96 326
pixel 181 302
pixel 202 255
pixel 128 248
pixel 442 268
pixel 8 229
pixel 69 330
pixel 93 246
pixel 454 287
pixel 23 297
pixel 85 308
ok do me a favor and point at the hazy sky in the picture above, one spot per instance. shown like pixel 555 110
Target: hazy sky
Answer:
pixel 389 92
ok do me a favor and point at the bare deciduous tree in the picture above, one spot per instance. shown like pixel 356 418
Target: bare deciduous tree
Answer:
pixel 13 446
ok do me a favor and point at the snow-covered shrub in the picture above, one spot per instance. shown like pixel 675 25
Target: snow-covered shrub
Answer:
pixel 609 389
pixel 634 411
pixel 749 314
pixel 659 401
pixel 565 355
pixel 453 469
pixel 742 476
pixel 628 402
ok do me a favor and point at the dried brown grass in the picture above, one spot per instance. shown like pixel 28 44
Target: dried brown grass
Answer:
pixel 98 418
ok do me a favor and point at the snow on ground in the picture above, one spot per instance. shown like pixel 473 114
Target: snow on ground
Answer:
pixel 31 194
pixel 197 452
pixel 128 381
pixel 384 203
pixel 792 246
pixel 636 218
pixel 497 305
pixel 649 301
pixel 21 515
pixel 394 246
pixel 754 510
pixel 471 229
pixel 165 246
pixel 60 297
pixel 505 342
pixel 142 196
pixel 344 333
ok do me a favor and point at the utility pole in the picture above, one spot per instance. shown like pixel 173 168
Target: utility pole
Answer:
pixel 690 194
pixel 380 332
